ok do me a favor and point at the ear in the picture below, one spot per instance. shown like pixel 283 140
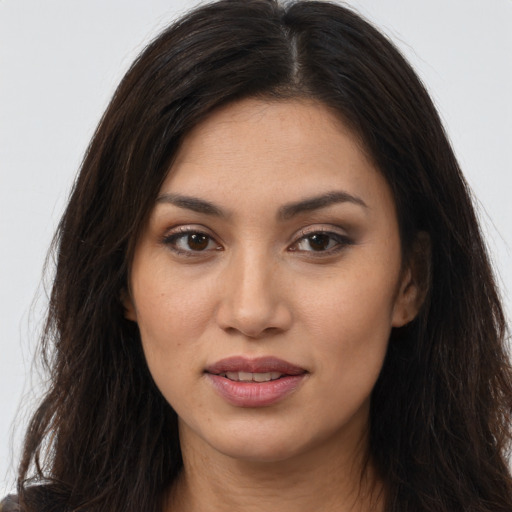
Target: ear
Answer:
pixel 414 283
pixel 130 312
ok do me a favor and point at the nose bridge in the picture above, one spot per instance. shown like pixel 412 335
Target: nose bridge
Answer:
pixel 252 302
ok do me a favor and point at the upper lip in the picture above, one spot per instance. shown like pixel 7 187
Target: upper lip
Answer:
pixel 256 365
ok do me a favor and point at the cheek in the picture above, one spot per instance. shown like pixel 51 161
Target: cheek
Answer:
pixel 170 309
pixel 169 330
pixel 350 322
pixel 172 316
pixel 349 340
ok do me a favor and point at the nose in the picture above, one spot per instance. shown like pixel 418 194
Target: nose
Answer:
pixel 253 301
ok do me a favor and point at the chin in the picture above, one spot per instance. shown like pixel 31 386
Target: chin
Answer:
pixel 250 441
pixel 260 451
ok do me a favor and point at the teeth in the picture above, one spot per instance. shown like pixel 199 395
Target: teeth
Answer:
pixel 261 377
pixel 252 377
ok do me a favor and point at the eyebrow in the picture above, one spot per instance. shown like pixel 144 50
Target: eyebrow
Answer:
pixel 192 203
pixel 317 202
pixel 285 212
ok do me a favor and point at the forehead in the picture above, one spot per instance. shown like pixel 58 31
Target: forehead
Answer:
pixel 274 127
pixel 276 150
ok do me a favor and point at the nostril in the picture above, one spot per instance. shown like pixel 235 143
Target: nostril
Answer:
pixel 253 306
pixel 254 333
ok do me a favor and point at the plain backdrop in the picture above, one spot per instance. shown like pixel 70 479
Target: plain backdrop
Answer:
pixel 60 61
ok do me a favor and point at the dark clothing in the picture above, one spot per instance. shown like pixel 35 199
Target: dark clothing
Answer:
pixel 43 498
pixel 10 504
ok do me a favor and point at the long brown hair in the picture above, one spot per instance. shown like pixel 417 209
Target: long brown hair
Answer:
pixel 104 438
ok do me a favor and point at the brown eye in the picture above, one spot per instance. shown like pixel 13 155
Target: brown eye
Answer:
pixel 191 242
pixel 322 242
pixel 197 241
pixel 319 242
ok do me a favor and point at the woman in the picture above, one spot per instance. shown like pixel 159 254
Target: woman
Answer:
pixel 271 288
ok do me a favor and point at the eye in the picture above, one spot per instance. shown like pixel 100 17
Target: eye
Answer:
pixel 321 242
pixel 191 242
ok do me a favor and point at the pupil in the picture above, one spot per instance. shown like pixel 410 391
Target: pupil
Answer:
pixel 197 241
pixel 319 242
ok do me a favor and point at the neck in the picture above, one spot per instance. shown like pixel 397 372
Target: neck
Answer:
pixel 322 479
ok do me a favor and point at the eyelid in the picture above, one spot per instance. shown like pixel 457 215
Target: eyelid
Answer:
pixel 321 229
pixel 336 233
pixel 174 234
pixel 342 238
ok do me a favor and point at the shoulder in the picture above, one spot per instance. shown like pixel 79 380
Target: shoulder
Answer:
pixel 10 504
pixel 40 498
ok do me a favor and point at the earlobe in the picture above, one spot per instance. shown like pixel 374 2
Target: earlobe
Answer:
pixel 415 282
pixel 128 305
pixel 407 304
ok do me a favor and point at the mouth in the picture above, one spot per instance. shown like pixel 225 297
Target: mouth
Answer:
pixel 252 377
pixel 262 369
pixel 254 382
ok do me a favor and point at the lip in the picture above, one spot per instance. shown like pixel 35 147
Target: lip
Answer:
pixel 254 394
pixel 256 365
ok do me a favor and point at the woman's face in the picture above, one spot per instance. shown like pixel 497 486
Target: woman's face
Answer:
pixel 267 281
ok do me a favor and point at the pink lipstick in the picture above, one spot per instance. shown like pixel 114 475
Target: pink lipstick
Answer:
pixel 257 382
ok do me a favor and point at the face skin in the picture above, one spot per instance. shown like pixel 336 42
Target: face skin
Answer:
pixel 319 285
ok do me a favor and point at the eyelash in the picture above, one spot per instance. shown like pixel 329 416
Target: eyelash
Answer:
pixel 341 242
pixel 172 240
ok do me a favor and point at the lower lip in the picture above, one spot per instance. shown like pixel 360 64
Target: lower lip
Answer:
pixel 255 394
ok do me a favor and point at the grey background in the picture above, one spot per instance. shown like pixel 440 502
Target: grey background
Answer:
pixel 60 61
